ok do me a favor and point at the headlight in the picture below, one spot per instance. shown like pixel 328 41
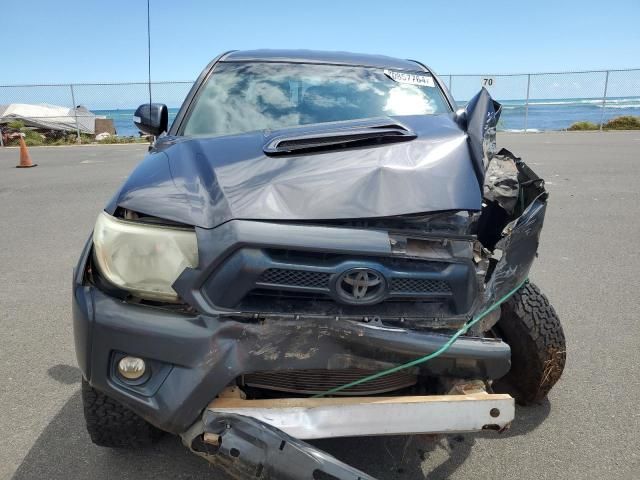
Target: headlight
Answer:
pixel 143 259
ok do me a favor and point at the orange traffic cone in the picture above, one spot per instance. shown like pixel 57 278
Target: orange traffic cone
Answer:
pixel 25 158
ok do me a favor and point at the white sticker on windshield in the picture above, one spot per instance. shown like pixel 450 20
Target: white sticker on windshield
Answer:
pixel 410 78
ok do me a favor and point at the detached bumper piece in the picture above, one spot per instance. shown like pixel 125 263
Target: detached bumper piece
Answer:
pixel 248 448
pixel 261 438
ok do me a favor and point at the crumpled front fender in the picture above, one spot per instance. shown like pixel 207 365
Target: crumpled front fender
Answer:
pixel 518 196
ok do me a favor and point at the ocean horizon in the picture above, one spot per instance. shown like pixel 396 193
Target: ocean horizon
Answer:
pixel 543 114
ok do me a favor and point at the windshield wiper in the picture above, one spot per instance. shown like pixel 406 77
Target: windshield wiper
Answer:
pixel 338 135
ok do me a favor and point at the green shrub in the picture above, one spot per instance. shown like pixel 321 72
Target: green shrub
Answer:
pixel 626 122
pixel 69 139
pixel 17 124
pixel 32 138
pixel 84 138
pixel 583 126
pixel 117 139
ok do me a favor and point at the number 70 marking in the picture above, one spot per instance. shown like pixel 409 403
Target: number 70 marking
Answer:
pixel 487 81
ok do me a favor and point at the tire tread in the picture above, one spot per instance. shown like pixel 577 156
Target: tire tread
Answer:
pixel 530 325
pixel 111 424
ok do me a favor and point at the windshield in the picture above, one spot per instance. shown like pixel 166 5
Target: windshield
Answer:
pixel 244 97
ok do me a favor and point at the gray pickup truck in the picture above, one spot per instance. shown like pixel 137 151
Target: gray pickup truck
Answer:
pixel 322 244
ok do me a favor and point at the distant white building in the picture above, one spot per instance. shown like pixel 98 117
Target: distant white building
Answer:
pixel 52 117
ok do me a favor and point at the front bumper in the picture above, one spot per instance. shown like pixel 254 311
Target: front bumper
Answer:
pixel 193 358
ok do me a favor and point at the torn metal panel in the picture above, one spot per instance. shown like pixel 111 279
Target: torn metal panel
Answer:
pixel 248 448
pixel 501 181
pixel 517 247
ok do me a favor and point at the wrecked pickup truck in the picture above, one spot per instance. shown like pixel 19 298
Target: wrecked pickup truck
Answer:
pixel 321 245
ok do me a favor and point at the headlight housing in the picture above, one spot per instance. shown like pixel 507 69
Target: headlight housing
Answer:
pixel 142 258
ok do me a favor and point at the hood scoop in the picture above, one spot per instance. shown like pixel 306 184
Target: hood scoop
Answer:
pixel 337 135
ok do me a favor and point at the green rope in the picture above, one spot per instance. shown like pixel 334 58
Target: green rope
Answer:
pixel 464 329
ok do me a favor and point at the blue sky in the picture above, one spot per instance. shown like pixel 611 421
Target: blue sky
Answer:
pixel 89 40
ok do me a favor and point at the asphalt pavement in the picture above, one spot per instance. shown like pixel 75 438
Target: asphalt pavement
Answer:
pixel 588 266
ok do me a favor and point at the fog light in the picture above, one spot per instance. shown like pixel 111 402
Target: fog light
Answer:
pixel 131 368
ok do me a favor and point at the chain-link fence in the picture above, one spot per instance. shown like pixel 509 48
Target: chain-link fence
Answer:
pixel 555 101
pixel 531 102
pixel 75 107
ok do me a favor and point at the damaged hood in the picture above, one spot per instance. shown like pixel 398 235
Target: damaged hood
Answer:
pixel 208 181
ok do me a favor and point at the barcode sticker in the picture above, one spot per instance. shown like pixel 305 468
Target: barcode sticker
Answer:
pixel 410 78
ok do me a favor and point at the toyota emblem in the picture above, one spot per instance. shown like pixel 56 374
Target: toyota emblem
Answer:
pixel 361 286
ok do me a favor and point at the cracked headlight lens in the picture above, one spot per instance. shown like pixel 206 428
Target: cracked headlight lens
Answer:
pixel 141 258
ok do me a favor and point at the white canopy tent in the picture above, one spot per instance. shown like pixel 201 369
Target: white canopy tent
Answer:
pixel 51 117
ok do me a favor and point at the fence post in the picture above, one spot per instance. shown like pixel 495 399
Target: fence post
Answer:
pixel 75 113
pixel 526 104
pixel 604 98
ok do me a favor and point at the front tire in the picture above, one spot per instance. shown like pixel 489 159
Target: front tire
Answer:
pixel 531 327
pixel 111 424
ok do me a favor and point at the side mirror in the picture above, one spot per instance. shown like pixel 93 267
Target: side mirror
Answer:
pixel 461 118
pixel 152 118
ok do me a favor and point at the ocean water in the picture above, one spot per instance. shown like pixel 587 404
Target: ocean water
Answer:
pixel 554 114
pixel 123 120
pixel 543 114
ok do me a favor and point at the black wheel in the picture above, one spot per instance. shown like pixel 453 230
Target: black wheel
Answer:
pixel 531 327
pixel 111 424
